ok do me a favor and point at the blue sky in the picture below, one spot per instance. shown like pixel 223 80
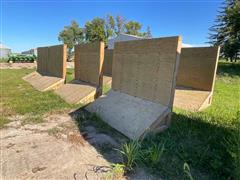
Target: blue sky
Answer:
pixel 27 24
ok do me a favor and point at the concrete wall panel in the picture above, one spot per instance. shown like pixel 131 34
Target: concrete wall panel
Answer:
pixel 197 67
pixel 42 59
pixel 52 60
pixel 108 59
pixel 89 62
pixel 146 68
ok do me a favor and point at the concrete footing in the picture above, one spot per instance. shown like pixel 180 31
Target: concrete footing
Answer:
pixel 42 82
pixel 132 116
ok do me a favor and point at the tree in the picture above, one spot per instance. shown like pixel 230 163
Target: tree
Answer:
pixel 133 28
pixel 148 34
pixel 226 31
pixel 120 25
pixel 71 35
pixel 110 26
pixel 95 30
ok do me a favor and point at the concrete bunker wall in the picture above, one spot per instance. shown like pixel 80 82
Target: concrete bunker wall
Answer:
pixel 52 60
pixel 147 68
pixel 197 68
pixel 89 62
pixel 108 60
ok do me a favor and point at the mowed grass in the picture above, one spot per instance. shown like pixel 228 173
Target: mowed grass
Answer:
pixel 200 139
pixel 20 98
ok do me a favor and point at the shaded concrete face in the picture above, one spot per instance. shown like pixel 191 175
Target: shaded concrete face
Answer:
pixel 108 60
pixel 197 68
pixel 52 60
pixel 89 62
pixel 147 68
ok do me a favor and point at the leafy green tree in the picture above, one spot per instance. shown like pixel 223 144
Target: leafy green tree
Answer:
pixel 133 28
pixel 71 35
pixel 226 31
pixel 110 26
pixel 95 30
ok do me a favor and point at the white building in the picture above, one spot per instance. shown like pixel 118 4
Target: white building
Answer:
pixel 128 37
pixel 122 37
pixel 4 51
pixel 31 51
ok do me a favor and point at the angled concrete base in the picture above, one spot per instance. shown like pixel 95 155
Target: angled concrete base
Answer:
pixel 192 100
pixel 132 116
pixel 42 82
pixel 77 92
pixel 107 80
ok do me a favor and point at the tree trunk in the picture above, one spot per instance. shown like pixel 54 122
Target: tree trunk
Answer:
pixel 235 59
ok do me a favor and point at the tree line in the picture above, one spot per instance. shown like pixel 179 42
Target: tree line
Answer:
pixel 100 29
pixel 226 30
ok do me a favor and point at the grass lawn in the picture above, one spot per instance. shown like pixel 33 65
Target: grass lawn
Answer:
pixel 19 98
pixel 3 60
pixel 199 139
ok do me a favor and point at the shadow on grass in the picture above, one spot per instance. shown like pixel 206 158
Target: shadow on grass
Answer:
pixel 190 139
pixel 230 69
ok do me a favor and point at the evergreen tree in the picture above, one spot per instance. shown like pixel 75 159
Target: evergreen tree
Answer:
pixel 226 31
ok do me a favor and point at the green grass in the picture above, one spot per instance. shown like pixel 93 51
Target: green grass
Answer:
pixel 199 139
pixel 3 60
pixel 19 97
pixel 69 75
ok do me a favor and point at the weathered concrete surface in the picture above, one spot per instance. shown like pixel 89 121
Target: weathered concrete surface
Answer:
pixel 108 61
pixel 52 60
pixel 42 82
pixel 89 62
pixel 144 74
pixel 130 115
pixel 146 68
pixel 77 92
pixel 196 77
pixel 197 68
pixel 51 68
pixel 191 99
pixel 88 79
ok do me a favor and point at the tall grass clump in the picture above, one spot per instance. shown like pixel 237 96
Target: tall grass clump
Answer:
pixel 131 154
pixel 153 153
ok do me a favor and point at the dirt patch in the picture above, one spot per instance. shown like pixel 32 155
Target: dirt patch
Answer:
pixel 57 149
pixel 18 65
pixel 26 65
pixel 54 149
